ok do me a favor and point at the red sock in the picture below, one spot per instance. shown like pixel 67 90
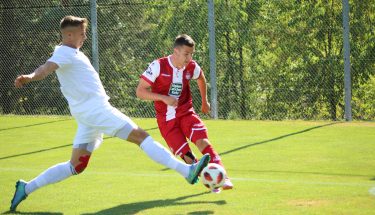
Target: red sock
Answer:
pixel 215 157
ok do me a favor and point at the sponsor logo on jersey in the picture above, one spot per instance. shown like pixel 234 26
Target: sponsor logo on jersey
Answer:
pixel 175 89
pixel 149 71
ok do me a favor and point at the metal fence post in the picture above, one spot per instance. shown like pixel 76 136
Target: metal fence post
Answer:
pixel 94 33
pixel 212 53
pixel 347 78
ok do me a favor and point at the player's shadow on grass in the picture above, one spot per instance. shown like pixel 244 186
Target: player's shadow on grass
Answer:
pixel 288 135
pixel 136 207
pixel 36 213
pixel 53 148
pixel 277 138
pixel 36 124
pixel 271 140
pixel 312 173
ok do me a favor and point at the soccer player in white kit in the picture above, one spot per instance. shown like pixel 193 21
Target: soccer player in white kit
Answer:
pixel 88 104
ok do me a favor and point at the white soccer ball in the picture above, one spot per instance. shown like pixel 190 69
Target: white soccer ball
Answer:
pixel 213 176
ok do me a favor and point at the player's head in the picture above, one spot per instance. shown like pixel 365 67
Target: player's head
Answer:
pixel 183 49
pixel 73 30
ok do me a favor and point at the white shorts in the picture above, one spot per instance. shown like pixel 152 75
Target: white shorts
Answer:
pixel 105 120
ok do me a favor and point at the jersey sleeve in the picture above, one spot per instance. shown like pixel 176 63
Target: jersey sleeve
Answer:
pixel 197 71
pixel 152 72
pixel 60 58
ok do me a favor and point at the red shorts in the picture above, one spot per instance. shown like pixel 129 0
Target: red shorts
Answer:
pixel 176 131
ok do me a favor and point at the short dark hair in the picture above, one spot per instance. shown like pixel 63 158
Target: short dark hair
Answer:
pixel 73 21
pixel 183 39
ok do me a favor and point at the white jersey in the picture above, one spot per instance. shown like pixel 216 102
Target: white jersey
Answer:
pixel 80 83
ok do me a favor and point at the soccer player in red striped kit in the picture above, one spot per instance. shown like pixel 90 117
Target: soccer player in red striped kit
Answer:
pixel 167 82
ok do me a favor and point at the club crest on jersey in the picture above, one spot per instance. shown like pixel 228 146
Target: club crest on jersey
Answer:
pixel 188 76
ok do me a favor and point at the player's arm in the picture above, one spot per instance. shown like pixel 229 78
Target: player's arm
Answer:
pixel 202 85
pixel 39 74
pixel 144 92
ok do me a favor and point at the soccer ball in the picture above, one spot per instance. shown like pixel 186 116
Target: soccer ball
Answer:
pixel 213 176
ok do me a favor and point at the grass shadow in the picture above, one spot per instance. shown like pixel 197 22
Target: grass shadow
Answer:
pixel 312 173
pixel 276 138
pixel 137 207
pixel 36 213
pixel 201 212
pixel 271 140
pixel 36 124
pixel 34 152
pixel 293 172
pixel 53 148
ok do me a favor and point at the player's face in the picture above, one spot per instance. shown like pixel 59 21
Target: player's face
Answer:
pixel 79 36
pixel 76 36
pixel 184 54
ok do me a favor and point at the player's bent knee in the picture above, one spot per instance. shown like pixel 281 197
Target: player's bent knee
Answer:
pixel 83 161
pixel 137 136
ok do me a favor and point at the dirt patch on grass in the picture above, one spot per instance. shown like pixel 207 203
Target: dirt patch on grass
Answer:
pixel 307 203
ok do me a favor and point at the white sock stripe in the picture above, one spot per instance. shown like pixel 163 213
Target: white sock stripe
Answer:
pixel 180 148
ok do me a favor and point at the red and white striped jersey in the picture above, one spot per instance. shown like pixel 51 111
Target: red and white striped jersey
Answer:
pixel 166 79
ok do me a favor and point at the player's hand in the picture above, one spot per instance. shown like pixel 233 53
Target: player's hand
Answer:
pixel 169 100
pixel 206 107
pixel 22 80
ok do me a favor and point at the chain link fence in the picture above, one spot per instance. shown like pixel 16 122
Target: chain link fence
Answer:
pixel 274 59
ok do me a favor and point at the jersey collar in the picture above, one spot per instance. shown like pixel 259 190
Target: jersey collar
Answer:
pixel 76 50
pixel 170 63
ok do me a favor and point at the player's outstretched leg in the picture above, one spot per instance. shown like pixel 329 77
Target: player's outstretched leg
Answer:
pixel 160 154
pixel 196 169
pixel 19 195
pixel 52 175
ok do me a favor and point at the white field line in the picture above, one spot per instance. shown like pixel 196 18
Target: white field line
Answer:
pixel 175 175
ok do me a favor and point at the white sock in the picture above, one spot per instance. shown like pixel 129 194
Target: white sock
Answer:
pixel 52 175
pixel 161 155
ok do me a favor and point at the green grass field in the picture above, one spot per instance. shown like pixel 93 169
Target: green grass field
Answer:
pixel 287 167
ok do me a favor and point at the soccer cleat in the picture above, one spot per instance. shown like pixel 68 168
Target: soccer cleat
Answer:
pixel 227 184
pixel 196 168
pixel 19 195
